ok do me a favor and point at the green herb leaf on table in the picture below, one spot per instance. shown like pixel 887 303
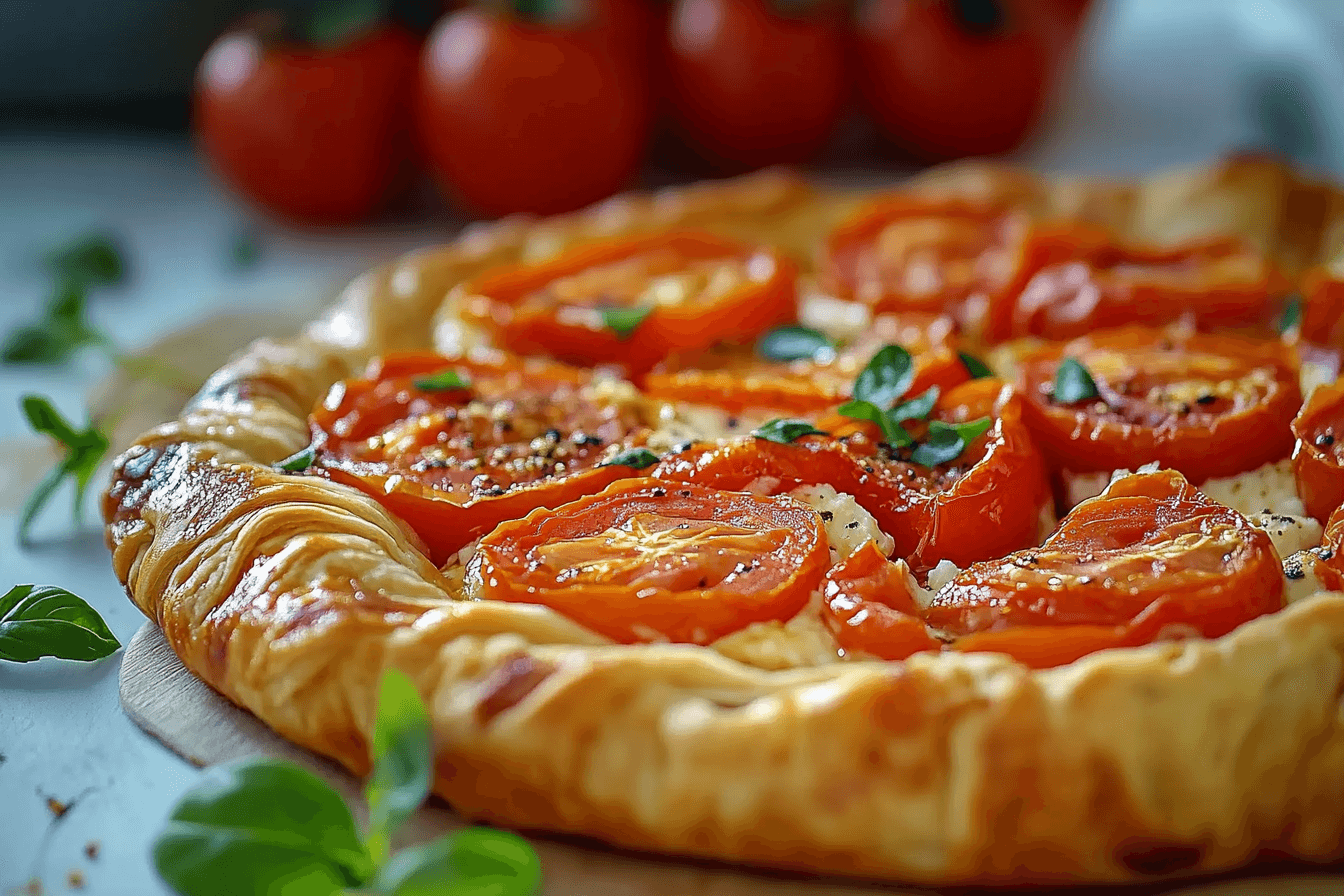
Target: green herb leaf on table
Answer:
pixel 917 408
pixel 635 458
pixel 886 377
pixel 299 460
pixel 1292 314
pixel 624 321
pixel 892 432
pixel 93 260
pixel 244 252
pixel 974 366
pixel 446 380
pixel 786 431
pixel 1073 382
pixel 42 620
pixel 61 332
pixel 403 761
pixel 793 343
pixel 946 441
pixel 85 449
pixel 494 862
pixel 261 826
pixel 336 23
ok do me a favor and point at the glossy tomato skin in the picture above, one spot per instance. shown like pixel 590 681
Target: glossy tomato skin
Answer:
pixel 940 90
pixel 454 463
pixel 1150 553
pixel 737 379
pixel 1070 280
pixel 514 116
pixel 750 86
pixel 1318 456
pixel 555 308
pixel 1206 405
pixel 645 559
pixel 314 135
pixel 868 604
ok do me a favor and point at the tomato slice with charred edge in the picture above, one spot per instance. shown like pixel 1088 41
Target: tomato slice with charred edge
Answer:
pixel 645 560
pixel 1073 279
pixel 1206 405
pixel 1149 555
pixel 735 378
pixel 455 462
pixel 634 301
pixel 913 253
pixel 984 503
pixel 1318 457
pixel 868 604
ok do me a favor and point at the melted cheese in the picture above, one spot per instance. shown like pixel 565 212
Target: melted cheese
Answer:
pixel 848 526
pixel 804 640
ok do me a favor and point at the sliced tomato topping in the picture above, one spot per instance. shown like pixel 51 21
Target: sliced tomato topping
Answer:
pixel 1328 559
pixel 454 446
pixel 1322 310
pixel 1318 458
pixel 737 378
pixel 868 603
pixel 646 559
pixel 986 501
pixel 908 253
pixel 1206 405
pixel 634 301
pixel 1149 557
pixel 1073 279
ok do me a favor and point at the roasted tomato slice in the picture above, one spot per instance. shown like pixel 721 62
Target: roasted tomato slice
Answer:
pixel 986 501
pixel 1318 458
pixel 647 560
pixel 454 461
pixel 1149 557
pixel 908 253
pixel 1073 279
pixel 868 603
pixel 737 378
pixel 1207 405
pixel 634 301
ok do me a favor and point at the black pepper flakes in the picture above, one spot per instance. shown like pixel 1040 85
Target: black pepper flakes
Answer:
pixel 852 524
pixel 827 515
pixel 659 492
pixel 1325 440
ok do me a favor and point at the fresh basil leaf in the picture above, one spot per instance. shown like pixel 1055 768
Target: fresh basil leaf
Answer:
pixel 472 862
pixel 786 431
pixel 403 761
pixel 634 458
pixel 917 408
pixel 299 460
pixel 446 380
pixel 624 321
pixel 1292 314
pixel 946 441
pixel 41 620
pixel 261 826
pixel 84 451
pixel 886 378
pixel 336 23
pixel 1073 382
pixel 794 343
pixel 93 260
pixel 974 366
pixel 62 331
pixel 892 432
pixel 36 345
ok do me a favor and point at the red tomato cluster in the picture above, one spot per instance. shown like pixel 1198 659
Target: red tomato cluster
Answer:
pixel 515 110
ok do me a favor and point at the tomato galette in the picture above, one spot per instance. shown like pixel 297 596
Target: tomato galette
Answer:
pixel 982 530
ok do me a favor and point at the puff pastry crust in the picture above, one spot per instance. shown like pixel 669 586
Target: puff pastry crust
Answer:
pixel 290 595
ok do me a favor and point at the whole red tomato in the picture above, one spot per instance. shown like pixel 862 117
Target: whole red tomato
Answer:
pixel 950 78
pixel 753 82
pixel 519 116
pixel 314 134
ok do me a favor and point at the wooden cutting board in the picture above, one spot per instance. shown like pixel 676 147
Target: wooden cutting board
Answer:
pixel 175 707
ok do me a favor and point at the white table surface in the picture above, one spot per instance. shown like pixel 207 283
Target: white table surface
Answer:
pixel 1161 83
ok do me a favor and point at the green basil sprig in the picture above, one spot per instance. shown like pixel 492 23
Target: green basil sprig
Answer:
pixel 885 379
pixel 263 826
pixel 59 333
pixel 42 620
pixel 793 343
pixel 946 441
pixel 446 380
pixel 974 366
pixel 84 450
pixel 785 431
pixel 624 321
pixel 299 461
pixel 634 458
pixel 1291 318
pixel 1073 382
pixel 96 259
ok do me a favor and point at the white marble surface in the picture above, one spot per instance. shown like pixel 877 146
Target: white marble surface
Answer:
pixel 1159 83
